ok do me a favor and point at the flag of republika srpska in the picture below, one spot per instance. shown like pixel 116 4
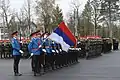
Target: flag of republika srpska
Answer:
pixel 63 36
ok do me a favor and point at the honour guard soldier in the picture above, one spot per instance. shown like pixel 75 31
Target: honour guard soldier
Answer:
pixel 34 49
pixel 59 55
pixel 39 42
pixel 48 54
pixel 47 49
pixel 16 52
pixel 56 54
pixel 41 57
pixel 53 48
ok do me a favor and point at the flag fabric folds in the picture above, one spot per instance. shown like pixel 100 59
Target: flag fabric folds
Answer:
pixel 63 36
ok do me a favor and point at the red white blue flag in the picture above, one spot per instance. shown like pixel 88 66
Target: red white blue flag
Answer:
pixel 63 35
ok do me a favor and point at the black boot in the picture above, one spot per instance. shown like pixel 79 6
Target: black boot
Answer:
pixel 18 74
pixel 34 73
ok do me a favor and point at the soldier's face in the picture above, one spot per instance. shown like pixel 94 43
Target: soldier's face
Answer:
pixel 45 36
pixel 15 35
pixel 38 35
pixel 34 36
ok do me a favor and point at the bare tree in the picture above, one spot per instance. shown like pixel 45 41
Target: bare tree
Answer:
pixel 25 18
pixel 5 7
pixel 96 15
pixel 22 22
pixel 44 10
pixel 75 4
pixel 27 13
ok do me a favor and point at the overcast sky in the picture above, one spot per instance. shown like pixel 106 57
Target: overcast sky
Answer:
pixel 64 5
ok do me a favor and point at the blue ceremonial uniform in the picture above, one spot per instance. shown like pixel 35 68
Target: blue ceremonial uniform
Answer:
pixel 16 53
pixel 54 45
pixel 56 54
pixel 33 46
pixel 40 42
pixel 49 58
pixel 16 46
pixel 47 45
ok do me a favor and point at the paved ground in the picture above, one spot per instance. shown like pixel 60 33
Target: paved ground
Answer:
pixel 106 67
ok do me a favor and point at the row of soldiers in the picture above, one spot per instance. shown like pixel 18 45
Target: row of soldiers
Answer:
pixel 47 54
pixel 95 47
pixel 90 48
pixel 6 50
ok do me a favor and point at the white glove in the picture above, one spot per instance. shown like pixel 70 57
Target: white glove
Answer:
pixel 40 46
pixel 79 48
pixel 44 50
pixel 31 54
pixel 57 51
pixel 53 42
pixel 20 41
pixel 21 51
pixel 60 50
pixel 53 50
pixel 44 40
pixel 71 48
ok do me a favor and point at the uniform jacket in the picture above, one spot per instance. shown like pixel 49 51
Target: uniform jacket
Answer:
pixel 15 46
pixel 47 45
pixel 33 46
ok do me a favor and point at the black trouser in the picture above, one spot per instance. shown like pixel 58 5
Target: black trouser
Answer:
pixel 1 54
pixel 32 63
pixel 36 63
pixel 52 60
pixel 42 61
pixel 49 61
pixel 16 63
